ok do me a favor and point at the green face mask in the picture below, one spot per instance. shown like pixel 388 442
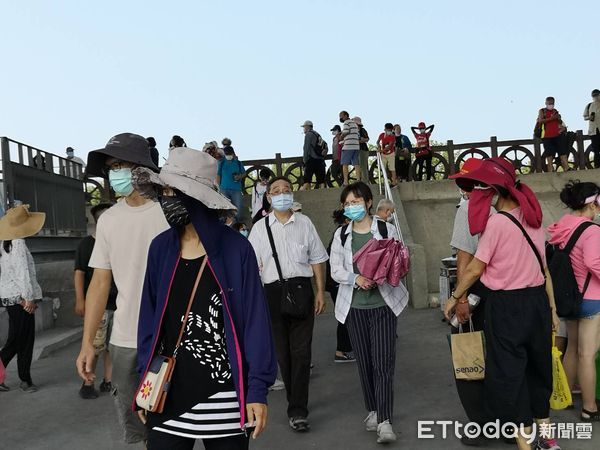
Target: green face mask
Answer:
pixel 120 181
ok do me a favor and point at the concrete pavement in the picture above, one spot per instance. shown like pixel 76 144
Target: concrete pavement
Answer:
pixel 55 418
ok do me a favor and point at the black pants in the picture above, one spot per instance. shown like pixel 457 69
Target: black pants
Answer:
pixel 471 392
pixel 373 337
pixel 314 167
pixel 403 168
pixel 518 362
pixel 596 147
pixel 554 147
pixel 343 339
pixel 293 342
pixel 157 440
pixel 21 337
pixel 424 164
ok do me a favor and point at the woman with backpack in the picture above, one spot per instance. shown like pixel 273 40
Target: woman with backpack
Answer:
pixel 369 311
pixel 519 311
pixel 583 331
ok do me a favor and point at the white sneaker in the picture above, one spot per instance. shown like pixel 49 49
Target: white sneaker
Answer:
pixel 385 433
pixel 277 386
pixel 371 421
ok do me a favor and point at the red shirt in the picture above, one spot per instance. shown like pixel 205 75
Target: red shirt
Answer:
pixel 388 143
pixel 552 128
pixel 422 139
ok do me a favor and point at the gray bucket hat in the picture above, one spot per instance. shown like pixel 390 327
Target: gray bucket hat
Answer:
pixel 190 171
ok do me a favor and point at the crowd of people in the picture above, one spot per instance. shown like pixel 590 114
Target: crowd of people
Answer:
pixel 176 291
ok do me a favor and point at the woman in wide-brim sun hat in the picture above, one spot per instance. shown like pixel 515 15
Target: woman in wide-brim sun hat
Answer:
pixel 19 290
pixel 226 360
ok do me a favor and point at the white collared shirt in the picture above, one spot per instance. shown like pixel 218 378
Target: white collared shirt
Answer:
pixel 342 271
pixel 297 243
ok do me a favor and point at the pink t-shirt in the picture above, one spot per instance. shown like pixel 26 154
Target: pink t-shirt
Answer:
pixel 585 256
pixel 511 262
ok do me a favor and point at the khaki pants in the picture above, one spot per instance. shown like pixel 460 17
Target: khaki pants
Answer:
pixel 363 161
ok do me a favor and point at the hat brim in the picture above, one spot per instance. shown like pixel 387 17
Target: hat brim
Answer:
pixel 195 189
pixel 96 162
pixel 31 227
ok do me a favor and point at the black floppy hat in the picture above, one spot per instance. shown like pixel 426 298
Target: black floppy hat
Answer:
pixel 127 147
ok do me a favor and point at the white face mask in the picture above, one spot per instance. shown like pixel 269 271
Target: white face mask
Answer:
pixel 388 133
pixel 549 107
pixel 334 133
pixel 228 157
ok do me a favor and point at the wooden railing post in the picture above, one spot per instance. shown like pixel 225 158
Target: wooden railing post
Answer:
pixel 580 149
pixel 450 149
pixel 278 165
pixel 494 146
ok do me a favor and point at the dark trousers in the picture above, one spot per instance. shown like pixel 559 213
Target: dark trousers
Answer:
pixel 373 336
pixel 314 167
pixel 157 440
pixel 293 342
pixel 518 362
pixel 471 393
pixel 596 147
pixel 403 168
pixel 21 337
pixel 424 165
pixel 343 339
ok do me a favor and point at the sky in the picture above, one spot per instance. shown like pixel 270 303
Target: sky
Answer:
pixel 74 73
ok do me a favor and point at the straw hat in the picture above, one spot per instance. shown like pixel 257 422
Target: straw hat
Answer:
pixel 19 223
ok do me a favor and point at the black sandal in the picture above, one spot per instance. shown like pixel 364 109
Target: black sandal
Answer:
pixel 591 416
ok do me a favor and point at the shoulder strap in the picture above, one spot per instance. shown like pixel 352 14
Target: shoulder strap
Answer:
pixel 189 306
pixel 529 241
pixel 273 249
pixel 343 235
pixel 382 226
pixel 576 235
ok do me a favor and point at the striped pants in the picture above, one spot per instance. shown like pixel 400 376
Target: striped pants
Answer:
pixel 373 337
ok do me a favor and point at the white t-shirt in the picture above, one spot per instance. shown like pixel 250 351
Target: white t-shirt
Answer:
pixel 258 192
pixel 123 237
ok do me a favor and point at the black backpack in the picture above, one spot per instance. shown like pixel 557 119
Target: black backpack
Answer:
pixel 566 292
pixel 380 224
pixel 322 148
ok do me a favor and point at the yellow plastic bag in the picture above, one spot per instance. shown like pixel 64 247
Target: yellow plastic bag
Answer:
pixel 561 393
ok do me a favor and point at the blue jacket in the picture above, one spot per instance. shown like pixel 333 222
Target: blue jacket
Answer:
pixel 245 311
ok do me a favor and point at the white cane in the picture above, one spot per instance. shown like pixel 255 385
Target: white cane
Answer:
pixel 379 172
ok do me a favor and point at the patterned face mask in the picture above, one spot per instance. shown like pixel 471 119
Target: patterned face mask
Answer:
pixel 175 211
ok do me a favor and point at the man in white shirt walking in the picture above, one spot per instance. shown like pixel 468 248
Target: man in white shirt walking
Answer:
pixel 123 237
pixel 289 253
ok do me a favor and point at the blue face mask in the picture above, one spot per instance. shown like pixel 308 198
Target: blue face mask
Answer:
pixel 282 202
pixel 355 212
pixel 120 181
pixel 244 233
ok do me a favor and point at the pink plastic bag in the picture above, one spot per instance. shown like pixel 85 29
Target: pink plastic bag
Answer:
pixel 2 372
pixel 386 260
pixel 400 264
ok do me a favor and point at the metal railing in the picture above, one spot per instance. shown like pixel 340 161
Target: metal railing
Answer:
pixel 525 154
pixel 48 183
